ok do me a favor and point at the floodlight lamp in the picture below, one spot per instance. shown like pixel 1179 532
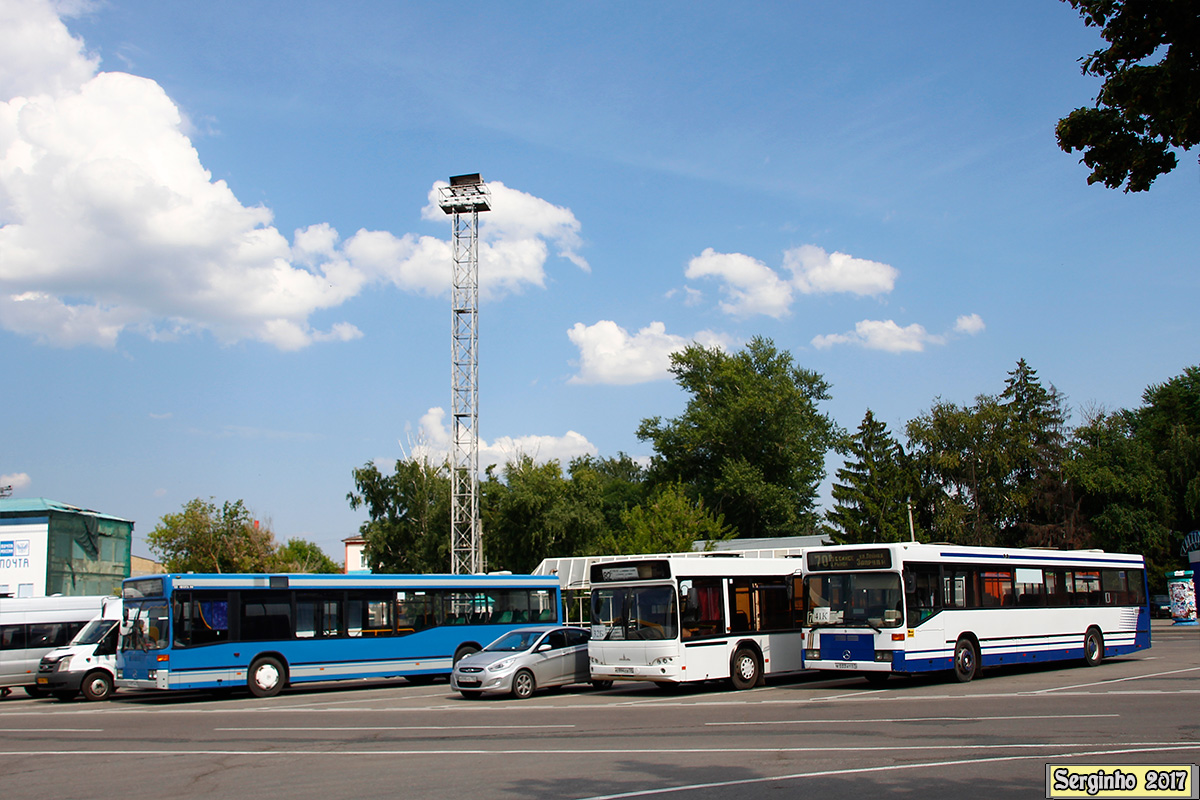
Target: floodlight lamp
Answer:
pixel 466 193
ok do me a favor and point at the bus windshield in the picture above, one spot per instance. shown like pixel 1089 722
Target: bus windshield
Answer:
pixel 855 600
pixel 145 626
pixel 634 612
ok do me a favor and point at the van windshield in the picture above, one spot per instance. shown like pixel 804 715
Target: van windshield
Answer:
pixel 94 631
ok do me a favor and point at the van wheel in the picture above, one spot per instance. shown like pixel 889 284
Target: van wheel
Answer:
pixel 65 695
pixel 34 691
pixel 265 678
pixel 97 685
pixel 743 670
pixel 966 660
pixel 1093 647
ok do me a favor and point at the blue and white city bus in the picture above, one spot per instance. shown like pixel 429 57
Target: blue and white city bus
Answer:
pixel 905 608
pixel 264 632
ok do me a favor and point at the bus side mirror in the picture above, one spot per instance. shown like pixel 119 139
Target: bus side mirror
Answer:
pixel 910 583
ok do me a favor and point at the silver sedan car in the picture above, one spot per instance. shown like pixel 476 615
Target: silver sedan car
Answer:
pixel 524 660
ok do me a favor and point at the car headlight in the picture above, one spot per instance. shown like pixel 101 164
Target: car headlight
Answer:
pixel 63 663
pixel 503 663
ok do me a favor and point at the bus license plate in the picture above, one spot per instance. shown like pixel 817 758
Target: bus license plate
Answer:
pixel 623 670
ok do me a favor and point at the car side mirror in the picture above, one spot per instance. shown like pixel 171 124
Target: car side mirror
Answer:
pixel 542 647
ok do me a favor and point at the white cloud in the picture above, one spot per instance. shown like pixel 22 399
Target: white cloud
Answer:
pixel 17 480
pixel 816 272
pixel 882 335
pixel 110 223
pixel 969 324
pixel 609 354
pixel 433 442
pixel 751 286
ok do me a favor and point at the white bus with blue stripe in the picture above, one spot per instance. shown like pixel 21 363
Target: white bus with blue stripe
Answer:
pixel 906 608
pixel 264 632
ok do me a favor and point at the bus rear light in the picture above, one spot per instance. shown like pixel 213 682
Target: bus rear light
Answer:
pixel 897 637
pixel 883 655
pixel 163 657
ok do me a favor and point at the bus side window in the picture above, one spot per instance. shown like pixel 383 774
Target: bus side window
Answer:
pixel 921 586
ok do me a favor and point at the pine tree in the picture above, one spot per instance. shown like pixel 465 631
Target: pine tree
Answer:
pixel 873 488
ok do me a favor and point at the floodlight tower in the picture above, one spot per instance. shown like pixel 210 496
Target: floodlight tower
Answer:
pixel 464 198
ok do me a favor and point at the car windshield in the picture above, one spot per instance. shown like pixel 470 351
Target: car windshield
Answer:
pixel 855 600
pixel 514 642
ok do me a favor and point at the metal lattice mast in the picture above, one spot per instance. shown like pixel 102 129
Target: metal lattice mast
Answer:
pixel 464 198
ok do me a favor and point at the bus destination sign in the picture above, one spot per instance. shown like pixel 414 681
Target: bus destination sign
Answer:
pixel 847 560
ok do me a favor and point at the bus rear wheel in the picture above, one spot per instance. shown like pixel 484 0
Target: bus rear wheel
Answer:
pixel 743 670
pixel 966 660
pixel 266 677
pixel 1093 647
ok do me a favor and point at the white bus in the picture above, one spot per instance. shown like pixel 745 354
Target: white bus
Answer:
pixel 677 619
pixel 905 608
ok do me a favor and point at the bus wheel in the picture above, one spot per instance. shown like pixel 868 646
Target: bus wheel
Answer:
pixel 966 660
pixel 464 651
pixel 876 678
pixel 97 685
pixel 265 677
pixel 523 685
pixel 743 670
pixel 1093 647
pixel 602 685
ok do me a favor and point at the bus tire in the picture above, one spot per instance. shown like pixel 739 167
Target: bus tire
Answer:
pixel 523 685
pixel 876 678
pixel 97 685
pixel 966 659
pixel 463 651
pixel 602 685
pixel 744 670
pixel 1093 647
pixel 266 677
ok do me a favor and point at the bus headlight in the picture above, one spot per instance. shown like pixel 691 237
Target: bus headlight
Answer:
pixel 812 655
pixel 662 660
pixel 883 655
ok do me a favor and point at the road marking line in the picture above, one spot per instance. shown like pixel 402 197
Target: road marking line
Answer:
pixel 402 728
pixel 907 719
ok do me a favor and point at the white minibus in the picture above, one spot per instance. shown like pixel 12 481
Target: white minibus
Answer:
pixel 30 627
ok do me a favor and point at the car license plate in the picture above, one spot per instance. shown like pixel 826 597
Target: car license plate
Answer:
pixel 623 670
pixel 468 681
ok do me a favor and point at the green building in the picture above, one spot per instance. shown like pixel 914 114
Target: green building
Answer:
pixel 53 548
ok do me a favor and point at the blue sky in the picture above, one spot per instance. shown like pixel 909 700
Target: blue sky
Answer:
pixel 222 273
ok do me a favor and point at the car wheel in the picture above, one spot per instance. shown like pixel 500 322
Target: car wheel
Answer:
pixel 266 677
pixel 523 685
pixel 97 685
pixel 743 670
pixel 966 660
pixel 1093 647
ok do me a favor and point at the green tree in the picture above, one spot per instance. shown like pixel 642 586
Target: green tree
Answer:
pixel 408 529
pixel 1169 424
pixel 299 555
pixel 669 522
pixel 751 442
pixel 1147 105
pixel 874 487
pixel 202 538
pixel 536 513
